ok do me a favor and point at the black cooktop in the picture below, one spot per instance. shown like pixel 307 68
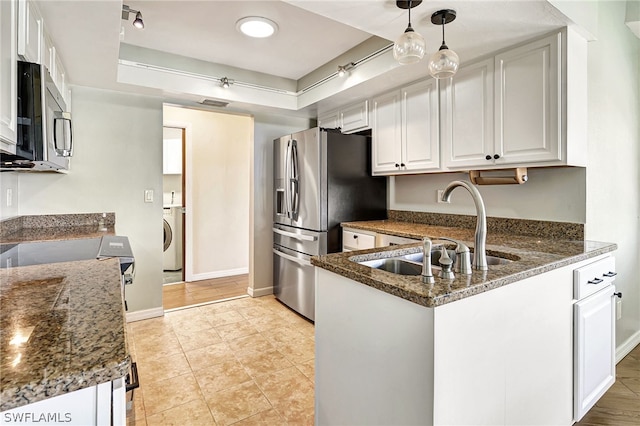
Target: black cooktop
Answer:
pixel 42 252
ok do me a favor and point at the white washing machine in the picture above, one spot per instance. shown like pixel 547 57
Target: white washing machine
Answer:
pixel 172 225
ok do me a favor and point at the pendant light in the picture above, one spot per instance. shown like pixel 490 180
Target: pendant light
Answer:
pixel 444 63
pixel 410 46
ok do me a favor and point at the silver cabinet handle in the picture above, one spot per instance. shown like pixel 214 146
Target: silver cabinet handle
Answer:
pixel 294 235
pixel 291 258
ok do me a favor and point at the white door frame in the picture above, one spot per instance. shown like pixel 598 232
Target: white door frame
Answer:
pixel 188 217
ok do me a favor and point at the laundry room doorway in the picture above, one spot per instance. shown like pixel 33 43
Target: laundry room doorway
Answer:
pixel 215 201
pixel 173 204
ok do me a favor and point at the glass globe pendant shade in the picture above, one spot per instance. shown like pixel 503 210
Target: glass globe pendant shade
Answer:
pixel 444 63
pixel 409 48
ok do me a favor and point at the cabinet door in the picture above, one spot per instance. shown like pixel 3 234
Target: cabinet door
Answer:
pixel 527 106
pixel 467 122
pixel 30 36
pixel 594 348
pixel 329 120
pixel 357 240
pixel 386 134
pixel 8 76
pixel 355 117
pixel 420 138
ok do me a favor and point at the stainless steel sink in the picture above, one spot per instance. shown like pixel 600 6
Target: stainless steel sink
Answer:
pixel 411 264
pixel 395 265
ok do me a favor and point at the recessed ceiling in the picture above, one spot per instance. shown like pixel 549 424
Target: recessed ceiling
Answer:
pixel 311 33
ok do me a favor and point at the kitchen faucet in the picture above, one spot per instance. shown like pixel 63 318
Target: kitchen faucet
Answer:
pixel 479 254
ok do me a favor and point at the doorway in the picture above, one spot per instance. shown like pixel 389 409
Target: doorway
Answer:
pixel 213 188
pixel 173 148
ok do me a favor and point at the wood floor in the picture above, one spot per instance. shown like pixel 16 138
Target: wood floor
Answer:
pixel 620 406
pixel 193 293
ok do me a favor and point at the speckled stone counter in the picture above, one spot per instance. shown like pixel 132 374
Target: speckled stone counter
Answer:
pixel 56 227
pixel 62 328
pixel 531 256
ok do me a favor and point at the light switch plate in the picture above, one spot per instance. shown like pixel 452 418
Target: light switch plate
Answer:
pixel 9 197
pixel 148 195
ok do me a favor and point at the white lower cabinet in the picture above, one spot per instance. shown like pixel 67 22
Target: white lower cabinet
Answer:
pixel 103 404
pixel 357 240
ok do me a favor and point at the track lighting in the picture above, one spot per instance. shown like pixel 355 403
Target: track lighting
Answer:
pixel 137 22
pixel 443 63
pixel 225 82
pixel 410 46
pixel 342 69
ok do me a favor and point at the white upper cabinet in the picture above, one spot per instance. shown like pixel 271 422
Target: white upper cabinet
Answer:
pixel 467 125
pixel 386 131
pixel 30 32
pixel 524 106
pixel 527 103
pixel 405 130
pixel 351 118
pixel 8 76
pixel 420 130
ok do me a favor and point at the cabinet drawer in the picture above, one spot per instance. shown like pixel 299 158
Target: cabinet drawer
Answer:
pixel 592 277
pixel 357 241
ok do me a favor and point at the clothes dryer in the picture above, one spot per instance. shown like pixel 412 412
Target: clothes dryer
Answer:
pixel 172 224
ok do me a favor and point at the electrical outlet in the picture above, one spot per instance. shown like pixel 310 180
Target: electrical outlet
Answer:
pixel 618 308
pixel 9 197
pixel 148 195
pixel 439 193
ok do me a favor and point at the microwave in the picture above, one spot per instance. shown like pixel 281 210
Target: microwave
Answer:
pixel 44 134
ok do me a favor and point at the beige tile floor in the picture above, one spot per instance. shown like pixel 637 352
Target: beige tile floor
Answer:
pixel 247 361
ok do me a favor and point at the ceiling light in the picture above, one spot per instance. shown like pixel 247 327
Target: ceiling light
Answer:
pixel 410 46
pixel 138 22
pixel 342 69
pixel 225 82
pixel 257 26
pixel 444 63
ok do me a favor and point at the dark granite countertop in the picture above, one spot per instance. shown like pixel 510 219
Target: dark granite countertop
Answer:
pixel 62 328
pixel 531 255
pixel 62 325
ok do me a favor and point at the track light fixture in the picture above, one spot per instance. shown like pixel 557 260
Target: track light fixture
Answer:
pixel 342 69
pixel 410 46
pixel 443 63
pixel 137 22
pixel 225 82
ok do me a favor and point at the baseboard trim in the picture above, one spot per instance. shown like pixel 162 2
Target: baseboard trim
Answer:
pixel 627 346
pixel 260 291
pixel 145 314
pixel 219 274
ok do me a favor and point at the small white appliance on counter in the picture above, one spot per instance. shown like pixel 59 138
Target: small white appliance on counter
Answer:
pixel 172 228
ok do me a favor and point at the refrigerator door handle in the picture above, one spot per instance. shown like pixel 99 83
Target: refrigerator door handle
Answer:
pixel 287 189
pixel 302 262
pixel 294 235
pixel 295 187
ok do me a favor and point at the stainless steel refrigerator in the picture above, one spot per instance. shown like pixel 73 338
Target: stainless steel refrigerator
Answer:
pixel 321 178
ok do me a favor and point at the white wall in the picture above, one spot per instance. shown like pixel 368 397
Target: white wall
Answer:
pixel 267 128
pixel 8 182
pixel 117 156
pixel 554 194
pixel 217 199
pixel 613 179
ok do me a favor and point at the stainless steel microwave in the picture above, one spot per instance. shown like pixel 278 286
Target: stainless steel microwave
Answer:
pixel 44 133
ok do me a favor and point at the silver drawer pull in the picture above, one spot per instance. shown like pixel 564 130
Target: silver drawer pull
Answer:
pixel 294 235
pixel 595 281
pixel 609 274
